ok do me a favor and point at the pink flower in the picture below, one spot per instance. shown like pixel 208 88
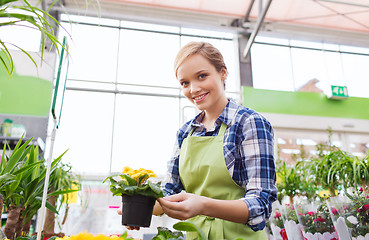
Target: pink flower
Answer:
pixel 367 196
pixel 311 213
pixel 365 207
pixel 284 234
pixel 334 211
pixel 319 219
pixel 361 189
pixel 277 215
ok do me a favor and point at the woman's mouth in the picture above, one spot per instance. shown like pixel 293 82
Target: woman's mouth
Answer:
pixel 199 98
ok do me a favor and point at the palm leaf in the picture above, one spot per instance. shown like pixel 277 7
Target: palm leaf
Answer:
pixel 3 2
pixel 7 61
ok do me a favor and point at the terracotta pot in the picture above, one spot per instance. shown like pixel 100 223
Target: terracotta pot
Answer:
pixel 137 210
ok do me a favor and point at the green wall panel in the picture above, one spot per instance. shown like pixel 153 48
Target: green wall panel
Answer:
pixel 305 103
pixel 24 95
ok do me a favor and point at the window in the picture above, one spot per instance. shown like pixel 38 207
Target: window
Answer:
pixel 288 65
pixel 123 105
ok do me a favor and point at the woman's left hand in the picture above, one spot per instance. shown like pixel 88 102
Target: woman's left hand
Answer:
pixel 183 205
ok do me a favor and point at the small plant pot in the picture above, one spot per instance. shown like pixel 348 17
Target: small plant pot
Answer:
pixel 137 210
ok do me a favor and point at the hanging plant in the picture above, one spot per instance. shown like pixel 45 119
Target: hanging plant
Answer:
pixel 18 12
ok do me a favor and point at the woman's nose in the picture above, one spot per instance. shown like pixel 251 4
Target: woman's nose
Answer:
pixel 194 87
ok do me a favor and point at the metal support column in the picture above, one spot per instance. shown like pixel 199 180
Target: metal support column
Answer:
pixel 257 28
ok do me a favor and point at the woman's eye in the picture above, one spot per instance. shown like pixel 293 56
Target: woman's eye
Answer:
pixel 184 84
pixel 202 76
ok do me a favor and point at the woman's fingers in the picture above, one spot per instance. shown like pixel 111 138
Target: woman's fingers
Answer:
pixel 182 206
pixel 177 197
pixel 132 228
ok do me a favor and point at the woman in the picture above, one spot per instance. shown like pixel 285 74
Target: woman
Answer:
pixel 222 174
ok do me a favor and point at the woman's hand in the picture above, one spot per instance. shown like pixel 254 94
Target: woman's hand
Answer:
pixel 183 206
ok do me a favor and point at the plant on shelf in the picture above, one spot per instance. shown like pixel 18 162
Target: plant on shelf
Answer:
pixel 315 218
pixel 138 195
pixel 23 193
pixel 295 179
pixel 62 182
pixel 354 171
pixel 17 165
pixel 276 222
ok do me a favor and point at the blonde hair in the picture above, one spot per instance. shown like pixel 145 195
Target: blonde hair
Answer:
pixel 205 49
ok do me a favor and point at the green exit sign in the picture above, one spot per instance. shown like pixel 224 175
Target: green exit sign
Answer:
pixel 339 92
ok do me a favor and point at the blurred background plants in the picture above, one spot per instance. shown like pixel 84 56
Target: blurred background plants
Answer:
pixel 22 182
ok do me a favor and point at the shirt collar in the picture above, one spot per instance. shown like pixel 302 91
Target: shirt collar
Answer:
pixel 226 116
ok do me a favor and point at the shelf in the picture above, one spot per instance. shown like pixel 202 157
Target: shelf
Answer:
pixel 12 141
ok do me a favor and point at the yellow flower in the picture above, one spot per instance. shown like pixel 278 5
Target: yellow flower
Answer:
pixel 137 173
pixel 278 179
pixel 89 236
pixel 127 170
pixel 324 194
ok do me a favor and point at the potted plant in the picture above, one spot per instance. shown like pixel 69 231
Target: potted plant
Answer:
pixel 62 182
pixel 277 223
pixel 340 211
pixel 21 185
pixel 358 218
pixel 291 223
pixel 138 195
pixel 315 219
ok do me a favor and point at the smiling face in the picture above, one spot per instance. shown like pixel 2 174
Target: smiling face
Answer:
pixel 202 84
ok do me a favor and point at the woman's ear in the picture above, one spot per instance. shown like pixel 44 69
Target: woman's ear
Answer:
pixel 224 74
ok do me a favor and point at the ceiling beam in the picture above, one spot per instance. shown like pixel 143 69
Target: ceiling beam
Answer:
pixel 257 28
pixel 247 15
pixel 345 3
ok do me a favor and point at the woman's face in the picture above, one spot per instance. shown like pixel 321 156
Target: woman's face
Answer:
pixel 201 83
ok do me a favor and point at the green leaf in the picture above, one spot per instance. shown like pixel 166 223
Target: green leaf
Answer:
pixel 26 168
pixel 51 207
pixel 131 181
pixel 3 2
pixel 53 238
pixel 190 227
pixel 6 177
pixel 142 179
pixel 156 188
pixel 166 234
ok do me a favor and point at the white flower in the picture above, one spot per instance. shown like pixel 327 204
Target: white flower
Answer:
pixel 352 220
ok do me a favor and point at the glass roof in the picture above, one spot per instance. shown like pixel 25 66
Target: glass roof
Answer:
pixel 351 15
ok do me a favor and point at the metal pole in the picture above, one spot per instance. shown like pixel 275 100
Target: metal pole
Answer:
pixel 257 28
pixel 40 225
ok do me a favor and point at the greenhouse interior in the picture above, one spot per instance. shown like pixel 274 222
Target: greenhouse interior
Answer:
pixel 97 106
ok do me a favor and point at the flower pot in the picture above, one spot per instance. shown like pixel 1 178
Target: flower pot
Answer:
pixel 137 210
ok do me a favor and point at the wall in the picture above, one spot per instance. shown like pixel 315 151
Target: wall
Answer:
pixel 307 110
pixel 25 97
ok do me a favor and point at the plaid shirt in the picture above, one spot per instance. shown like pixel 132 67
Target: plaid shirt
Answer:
pixel 248 153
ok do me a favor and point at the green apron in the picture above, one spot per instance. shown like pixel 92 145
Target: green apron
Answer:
pixel 203 172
